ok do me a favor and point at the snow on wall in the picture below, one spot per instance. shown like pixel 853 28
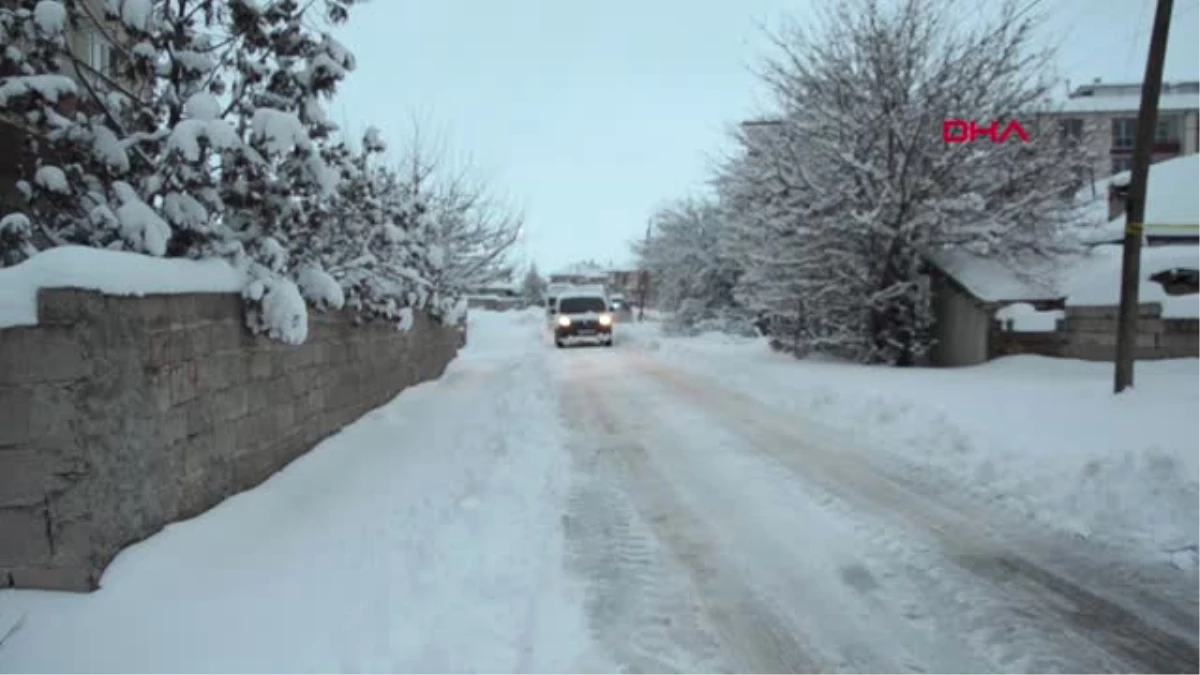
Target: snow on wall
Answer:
pixel 119 415
pixel 113 272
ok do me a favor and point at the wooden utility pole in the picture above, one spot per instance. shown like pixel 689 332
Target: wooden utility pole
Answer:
pixel 1135 204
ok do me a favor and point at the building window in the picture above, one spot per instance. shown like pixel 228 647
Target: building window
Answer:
pixel 1071 128
pixel 1167 129
pixel 1120 164
pixel 1124 133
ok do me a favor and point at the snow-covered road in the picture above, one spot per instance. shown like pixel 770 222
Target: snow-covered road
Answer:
pixel 720 534
pixel 600 509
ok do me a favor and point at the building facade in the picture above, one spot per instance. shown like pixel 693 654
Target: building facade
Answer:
pixel 1104 116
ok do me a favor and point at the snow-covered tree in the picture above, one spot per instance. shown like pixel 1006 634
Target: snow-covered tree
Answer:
pixel 838 213
pixel 472 231
pixel 693 277
pixel 205 134
pixel 533 287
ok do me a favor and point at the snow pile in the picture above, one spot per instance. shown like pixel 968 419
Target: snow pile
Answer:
pixel 1026 318
pixel 277 309
pixel 1044 437
pixel 319 288
pixel 408 542
pixel 112 272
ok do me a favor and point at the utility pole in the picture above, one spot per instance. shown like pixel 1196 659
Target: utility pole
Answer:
pixel 1135 204
pixel 644 281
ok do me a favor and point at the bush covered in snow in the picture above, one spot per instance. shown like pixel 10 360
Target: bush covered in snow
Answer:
pixel 209 138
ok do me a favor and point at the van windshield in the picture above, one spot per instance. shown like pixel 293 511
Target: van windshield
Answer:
pixel 581 305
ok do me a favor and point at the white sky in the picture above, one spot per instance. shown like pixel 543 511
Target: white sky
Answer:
pixel 589 115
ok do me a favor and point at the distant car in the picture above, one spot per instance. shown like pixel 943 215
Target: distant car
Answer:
pixel 583 317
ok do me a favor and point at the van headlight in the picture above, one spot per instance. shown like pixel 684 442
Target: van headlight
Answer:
pixel 605 319
pixel 564 321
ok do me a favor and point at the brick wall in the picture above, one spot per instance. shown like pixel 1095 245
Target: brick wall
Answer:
pixel 120 415
pixel 1090 334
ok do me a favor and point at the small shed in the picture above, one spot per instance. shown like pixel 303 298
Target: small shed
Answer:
pixel 967 291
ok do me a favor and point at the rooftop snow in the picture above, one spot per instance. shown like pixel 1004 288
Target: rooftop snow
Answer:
pixel 1089 279
pixel 1115 104
pixel 1095 278
pixel 1171 200
pixel 992 281
pixel 113 272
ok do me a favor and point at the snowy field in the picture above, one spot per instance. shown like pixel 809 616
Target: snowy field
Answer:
pixel 1043 436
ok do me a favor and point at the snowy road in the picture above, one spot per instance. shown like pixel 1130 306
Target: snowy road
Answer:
pixel 542 510
pixel 718 534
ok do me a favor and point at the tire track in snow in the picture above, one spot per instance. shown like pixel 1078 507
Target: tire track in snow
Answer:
pixel 1023 611
pixel 633 592
pixel 661 596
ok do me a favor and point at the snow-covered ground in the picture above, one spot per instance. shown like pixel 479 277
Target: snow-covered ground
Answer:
pixel 1043 436
pixel 677 505
pixel 425 537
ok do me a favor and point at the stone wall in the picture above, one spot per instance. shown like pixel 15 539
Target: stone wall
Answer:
pixel 119 415
pixel 1090 334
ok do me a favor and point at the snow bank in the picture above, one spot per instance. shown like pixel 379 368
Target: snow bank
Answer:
pixel 408 542
pixel 1043 437
pixel 112 272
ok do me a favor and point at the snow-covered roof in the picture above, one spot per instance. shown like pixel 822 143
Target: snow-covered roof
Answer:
pixel 113 272
pixel 1095 278
pixel 1114 104
pixel 1089 279
pixel 991 280
pixel 1172 201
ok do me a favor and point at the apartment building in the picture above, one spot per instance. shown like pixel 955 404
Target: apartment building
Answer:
pixel 1104 116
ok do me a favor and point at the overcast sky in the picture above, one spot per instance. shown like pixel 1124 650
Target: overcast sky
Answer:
pixel 588 115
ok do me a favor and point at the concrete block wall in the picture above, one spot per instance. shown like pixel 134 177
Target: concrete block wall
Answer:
pixel 1090 334
pixel 119 415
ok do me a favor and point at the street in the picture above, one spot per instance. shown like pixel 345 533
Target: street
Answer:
pixel 720 535
pixel 597 509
